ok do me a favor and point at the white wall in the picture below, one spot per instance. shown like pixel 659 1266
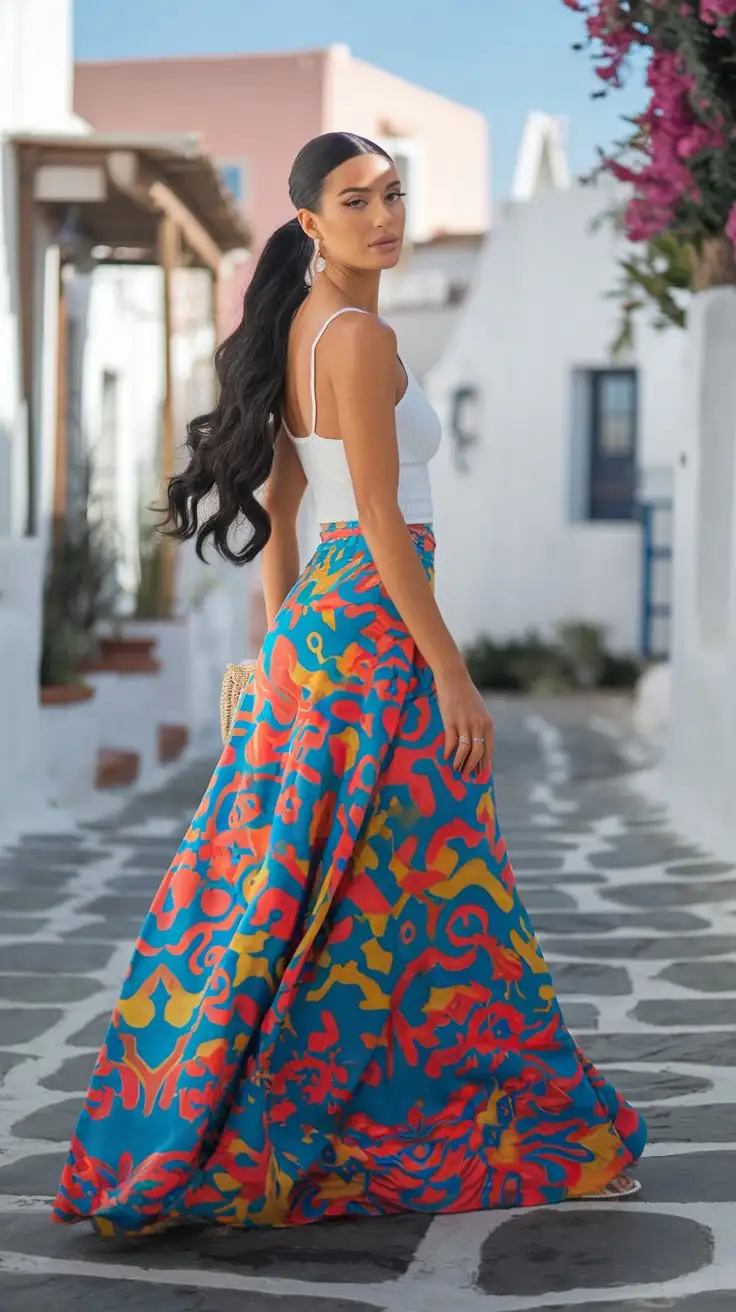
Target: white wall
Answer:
pixel 22 796
pixel 13 428
pixel 123 337
pixel 35 93
pixel 511 556
pixel 36 65
pixel 701 751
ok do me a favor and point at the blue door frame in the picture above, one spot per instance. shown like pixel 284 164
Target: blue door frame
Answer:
pixel 656 568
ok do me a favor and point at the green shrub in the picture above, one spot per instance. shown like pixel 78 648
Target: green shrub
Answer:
pixel 576 659
pixel 81 587
pixel 489 666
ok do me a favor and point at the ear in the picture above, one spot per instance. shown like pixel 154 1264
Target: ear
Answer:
pixel 308 222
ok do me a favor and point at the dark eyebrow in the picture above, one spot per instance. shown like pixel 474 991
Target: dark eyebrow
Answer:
pixel 366 190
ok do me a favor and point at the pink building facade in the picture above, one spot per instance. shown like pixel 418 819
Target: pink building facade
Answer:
pixel 254 112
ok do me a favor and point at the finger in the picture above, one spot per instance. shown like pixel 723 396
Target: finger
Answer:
pixel 475 756
pixel 479 745
pixel 463 748
pixel 479 741
pixel 451 733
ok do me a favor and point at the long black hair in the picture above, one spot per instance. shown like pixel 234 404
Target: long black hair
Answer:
pixel 231 449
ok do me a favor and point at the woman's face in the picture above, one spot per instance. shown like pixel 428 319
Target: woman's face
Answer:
pixel 360 224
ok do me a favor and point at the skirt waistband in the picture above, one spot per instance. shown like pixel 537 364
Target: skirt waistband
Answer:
pixel 422 534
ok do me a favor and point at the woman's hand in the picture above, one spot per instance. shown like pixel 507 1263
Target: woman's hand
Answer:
pixel 467 720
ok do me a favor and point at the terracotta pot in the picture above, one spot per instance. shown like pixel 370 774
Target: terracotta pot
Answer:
pixel 116 769
pixel 128 663
pixel 115 648
pixel 172 741
pixel 66 694
pixel 122 655
pixel 714 265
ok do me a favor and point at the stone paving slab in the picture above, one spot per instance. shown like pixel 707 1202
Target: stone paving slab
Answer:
pixel 703 1123
pixel 23 1025
pixel 645 949
pixel 551 1252
pixel 370 1251
pixel 704 977
pixel 712 1301
pixel 53 958
pixel 34 1176
pixel 713 1048
pixel 640 929
pixel 46 988
pixel 708 1176
pixel 20 926
pixel 59 1293
pixel 689 1011
pixel 644 1086
pixel 8 1060
pixel 72 1076
pixel 688 869
pixel 672 894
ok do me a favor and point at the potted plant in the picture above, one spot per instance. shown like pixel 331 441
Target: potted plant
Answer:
pixel 80 590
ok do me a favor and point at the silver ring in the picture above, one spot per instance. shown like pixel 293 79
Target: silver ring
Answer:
pixel 479 740
pixel 463 739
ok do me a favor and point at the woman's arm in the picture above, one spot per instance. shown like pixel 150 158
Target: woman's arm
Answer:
pixel 362 367
pixel 282 497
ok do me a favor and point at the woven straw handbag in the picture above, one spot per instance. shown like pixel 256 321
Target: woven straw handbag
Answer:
pixel 234 684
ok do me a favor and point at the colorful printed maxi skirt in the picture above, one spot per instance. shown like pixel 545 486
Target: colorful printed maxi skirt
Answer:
pixel 337 1004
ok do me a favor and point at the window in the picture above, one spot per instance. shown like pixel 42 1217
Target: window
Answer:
pixel 464 424
pixel 612 431
pixel 234 175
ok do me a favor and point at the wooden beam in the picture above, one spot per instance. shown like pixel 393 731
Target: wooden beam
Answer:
pixel 169 239
pixel 26 160
pixel 191 229
pixel 61 448
pixel 215 310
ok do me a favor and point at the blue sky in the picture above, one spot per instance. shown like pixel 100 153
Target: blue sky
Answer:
pixel 502 57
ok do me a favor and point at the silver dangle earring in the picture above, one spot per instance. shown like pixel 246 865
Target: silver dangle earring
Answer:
pixel 320 263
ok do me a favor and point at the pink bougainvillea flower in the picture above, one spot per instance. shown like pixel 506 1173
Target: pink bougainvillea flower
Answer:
pixel 714 11
pixel 681 125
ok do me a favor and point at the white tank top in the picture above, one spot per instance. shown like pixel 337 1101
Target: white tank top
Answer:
pixel 418 433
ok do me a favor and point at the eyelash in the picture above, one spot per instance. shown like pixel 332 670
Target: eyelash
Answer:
pixel 357 200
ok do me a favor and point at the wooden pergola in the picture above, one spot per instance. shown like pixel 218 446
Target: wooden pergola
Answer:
pixel 124 200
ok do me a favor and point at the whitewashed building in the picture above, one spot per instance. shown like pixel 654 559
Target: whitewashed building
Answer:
pixel 551 442
pixel 700 762
pixel 110 250
pixel 35 95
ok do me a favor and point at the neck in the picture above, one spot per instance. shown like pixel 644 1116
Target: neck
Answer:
pixel 361 289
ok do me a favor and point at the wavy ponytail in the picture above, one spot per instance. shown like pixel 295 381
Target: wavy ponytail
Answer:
pixel 232 448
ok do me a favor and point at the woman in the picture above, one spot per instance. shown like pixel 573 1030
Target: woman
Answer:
pixel 337 1003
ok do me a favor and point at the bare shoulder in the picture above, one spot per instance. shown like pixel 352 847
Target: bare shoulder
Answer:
pixel 362 339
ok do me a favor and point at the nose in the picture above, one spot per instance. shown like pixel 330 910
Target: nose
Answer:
pixel 383 214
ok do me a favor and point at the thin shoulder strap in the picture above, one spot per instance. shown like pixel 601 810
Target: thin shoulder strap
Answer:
pixel 346 309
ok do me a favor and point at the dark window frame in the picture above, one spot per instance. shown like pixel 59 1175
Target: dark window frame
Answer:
pixel 612 475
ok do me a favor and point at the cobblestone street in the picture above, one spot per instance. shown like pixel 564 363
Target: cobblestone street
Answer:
pixel 639 927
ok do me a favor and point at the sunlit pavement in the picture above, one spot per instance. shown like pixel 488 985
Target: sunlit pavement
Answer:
pixel 639 927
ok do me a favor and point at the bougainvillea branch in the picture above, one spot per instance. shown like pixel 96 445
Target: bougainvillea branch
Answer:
pixel 680 161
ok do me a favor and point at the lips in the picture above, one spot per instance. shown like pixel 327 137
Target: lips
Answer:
pixel 384 241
